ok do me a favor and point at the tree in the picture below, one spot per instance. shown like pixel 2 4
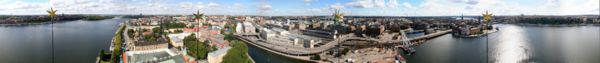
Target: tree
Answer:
pixel 315 57
pixel 117 42
pixel 229 37
pixel 178 31
pixel 130 32
pixel 104 56
pixel 157 30
pixel 237 54
pixel 195 48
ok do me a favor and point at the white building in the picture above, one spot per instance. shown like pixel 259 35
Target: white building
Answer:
pixel 181 18
pixel 281 32
pixel 239 28
pixel 266 34
pixel 217 56
pixel 249 28
pixel 177 39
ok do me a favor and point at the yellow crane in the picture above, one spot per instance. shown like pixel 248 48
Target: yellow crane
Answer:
pixel 51 12
pixel 337 16
pixel 487 17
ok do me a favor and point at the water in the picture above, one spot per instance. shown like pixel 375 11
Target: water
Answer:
pixel 515 44
pixel 74 41
pixel 263 56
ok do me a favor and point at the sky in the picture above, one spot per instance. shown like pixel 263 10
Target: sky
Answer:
pixel 304 7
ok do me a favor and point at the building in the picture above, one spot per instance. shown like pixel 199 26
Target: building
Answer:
pixel 181 18
pixel 302 26
pixel 219 41
pixel 150 56
pixel 239 28
pixel 267 34
pixel 149 45
pixel 217 56
pixel 177 39
pixel 249 28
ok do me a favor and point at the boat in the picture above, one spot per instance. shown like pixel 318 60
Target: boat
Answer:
pixel 400 59
pixel 409 50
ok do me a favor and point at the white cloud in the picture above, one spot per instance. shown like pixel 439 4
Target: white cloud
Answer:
pixel 213 4
pixel 373 7
pixel 361 4
pixel 308 2
pixel 379 3
pixel 336 6
pixel 392 4
pixel 407 5
pixel 265 7
pixel 21 5
pixel 4 1
pixel 373 4
pixel 186 5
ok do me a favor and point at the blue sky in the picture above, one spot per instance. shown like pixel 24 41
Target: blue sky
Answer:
pixel 304 7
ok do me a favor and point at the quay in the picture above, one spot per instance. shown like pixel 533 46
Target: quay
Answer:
pixel 303 58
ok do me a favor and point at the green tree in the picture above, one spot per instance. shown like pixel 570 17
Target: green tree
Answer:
pixel 195 48
pixel 117 48
pixel 237 54
pixel 104 56
pixel 130 32
pixel 315 57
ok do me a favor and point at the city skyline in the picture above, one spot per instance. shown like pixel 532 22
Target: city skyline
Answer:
pixel 304 7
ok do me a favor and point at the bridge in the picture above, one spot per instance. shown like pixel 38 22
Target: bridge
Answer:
pixel 304 53
pixel 333 43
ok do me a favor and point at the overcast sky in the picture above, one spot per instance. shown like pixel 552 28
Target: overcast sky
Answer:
pixel 304 7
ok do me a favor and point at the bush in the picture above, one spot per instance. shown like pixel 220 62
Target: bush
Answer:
pixel 178 31
pixel 104 56
pixel 315 57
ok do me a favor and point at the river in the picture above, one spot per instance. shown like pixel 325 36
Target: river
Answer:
pixel 515 44
pixel 74 41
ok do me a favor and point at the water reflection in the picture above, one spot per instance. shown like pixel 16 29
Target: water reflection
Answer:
pixel 512 46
